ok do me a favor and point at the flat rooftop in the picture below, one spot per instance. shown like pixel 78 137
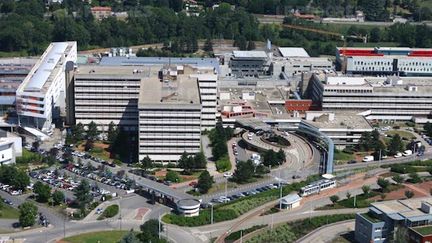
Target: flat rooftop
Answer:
pixel 264 102
pixel 345 120
pixel 293 52
pixel 47 67
pixel 145 61
pixel 183 89
pixel 117 71
pixel 250 54
pixel 408 207
pixel 423 230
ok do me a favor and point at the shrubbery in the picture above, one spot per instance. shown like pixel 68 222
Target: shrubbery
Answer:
pixel 236 235
pixel 203 218
pixel 109 212
pixel 223 164
pixel 292 231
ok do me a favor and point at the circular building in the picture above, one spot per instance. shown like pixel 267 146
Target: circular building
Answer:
pixel 188 207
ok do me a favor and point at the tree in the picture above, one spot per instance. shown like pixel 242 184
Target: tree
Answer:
pixel 53 152
pixel 112 132
pixel 395 145
pixel 92 131
pixel 89 145
pixel 383 183
pixel 200 161
pixel 186 162
pixel 375 34
pixel 130 237
pixel 240 42
pixel 172 176
pixel 42 191
pixel 146 163
pixel 348 195
pixel 150 232
pixel 251 46
pixel 82 194
pixel 21 180
pixel 77 132
pixel 414 178
pixel 365 141
pixel 36 145
pixel 27 214
pixel 58 197
pixel 366 189
pixel 334 199
pixel 205 182
pixel 208 46
pixel 244 171
pixel 398 179
pixel 428 129
pixel 409 194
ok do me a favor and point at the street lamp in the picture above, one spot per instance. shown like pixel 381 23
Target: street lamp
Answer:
pixel 211 214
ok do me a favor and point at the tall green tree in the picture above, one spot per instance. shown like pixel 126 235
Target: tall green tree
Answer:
pixel 42 191
pixel 27 214
pixel 58 197
pixel 82 194
pixel 146 163
pixel 244 172
pixel 205 182
pixel 112 132
pixel 92 131
pixel 396 144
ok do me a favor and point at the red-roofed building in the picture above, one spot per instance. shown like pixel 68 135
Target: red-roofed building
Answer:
pixel 101 12
pixel 401 61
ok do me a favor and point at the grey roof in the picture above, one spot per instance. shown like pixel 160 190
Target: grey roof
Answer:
pixel 138 61
pixel 47 65
pixel 291 198
pixel 250 54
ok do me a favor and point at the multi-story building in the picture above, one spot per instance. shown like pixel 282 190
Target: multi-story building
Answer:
pixel 169 116
pixel 296 60
pixel 104 94
pixel 42 92
pixel 343 128
pixel 12 72
pixel 380 98
pixel 383 219
pixel 208 93
pixel 249 63
pixel 385 61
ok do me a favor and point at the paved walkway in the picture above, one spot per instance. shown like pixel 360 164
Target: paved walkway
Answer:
pixel 328 232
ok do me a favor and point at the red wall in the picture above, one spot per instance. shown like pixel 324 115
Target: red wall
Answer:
pixel 301 105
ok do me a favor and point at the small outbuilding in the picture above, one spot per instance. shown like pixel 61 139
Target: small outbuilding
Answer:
pixel 188 207
pixel 291 201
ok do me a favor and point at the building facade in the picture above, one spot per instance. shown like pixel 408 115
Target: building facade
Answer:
pixel 249 63
pixel 169 116
pixel 383 219
pixel 43 90
pixel 385 61
pixel 105 94
pixel 377 98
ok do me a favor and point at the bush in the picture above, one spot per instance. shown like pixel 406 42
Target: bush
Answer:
pixel 97 150
pixel 202 219
pixel 109 212
pixel 292 231
pixel 236 235
pixel 223 164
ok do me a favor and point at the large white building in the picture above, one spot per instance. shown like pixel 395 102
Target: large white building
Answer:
pixel 170 115
pixel 43 90
pixel 104 94
pixel 380 98
pixel 385 61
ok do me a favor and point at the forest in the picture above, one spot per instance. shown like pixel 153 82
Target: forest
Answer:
pixel 28 26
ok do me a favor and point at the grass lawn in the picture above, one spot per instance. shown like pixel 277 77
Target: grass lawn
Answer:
pixel 95 237
pixel 404 134
pixel 8 212
pixel 341 156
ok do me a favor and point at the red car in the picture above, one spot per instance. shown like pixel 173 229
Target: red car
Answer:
pixel 193 183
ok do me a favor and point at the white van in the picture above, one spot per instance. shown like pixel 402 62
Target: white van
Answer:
pixel 368 158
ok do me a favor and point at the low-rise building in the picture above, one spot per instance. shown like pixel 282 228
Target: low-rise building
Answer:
pixel 343 128
pixel 384 219
pixel 385 61
pixel 291 201
pixel 188 207
pixel 376 98
pixel 100 13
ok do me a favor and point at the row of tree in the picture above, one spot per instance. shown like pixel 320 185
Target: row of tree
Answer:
pixel 219 137
pixel 370 141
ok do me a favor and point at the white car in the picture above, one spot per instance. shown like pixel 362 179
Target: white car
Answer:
pixel 228 174
pixel 398 155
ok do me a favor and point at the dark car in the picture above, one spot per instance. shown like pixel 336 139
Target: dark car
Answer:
pixel 352 162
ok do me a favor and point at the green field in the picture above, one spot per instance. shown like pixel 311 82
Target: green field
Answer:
pixel 404 134
pixel 341 156
pixel 95 237
pixel 8 212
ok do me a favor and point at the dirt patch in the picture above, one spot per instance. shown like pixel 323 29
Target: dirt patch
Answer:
pixel 420 190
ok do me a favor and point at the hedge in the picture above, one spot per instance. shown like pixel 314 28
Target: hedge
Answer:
pixel 202 219
pixel 237 234
pixel 109 212
pixel 292 231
